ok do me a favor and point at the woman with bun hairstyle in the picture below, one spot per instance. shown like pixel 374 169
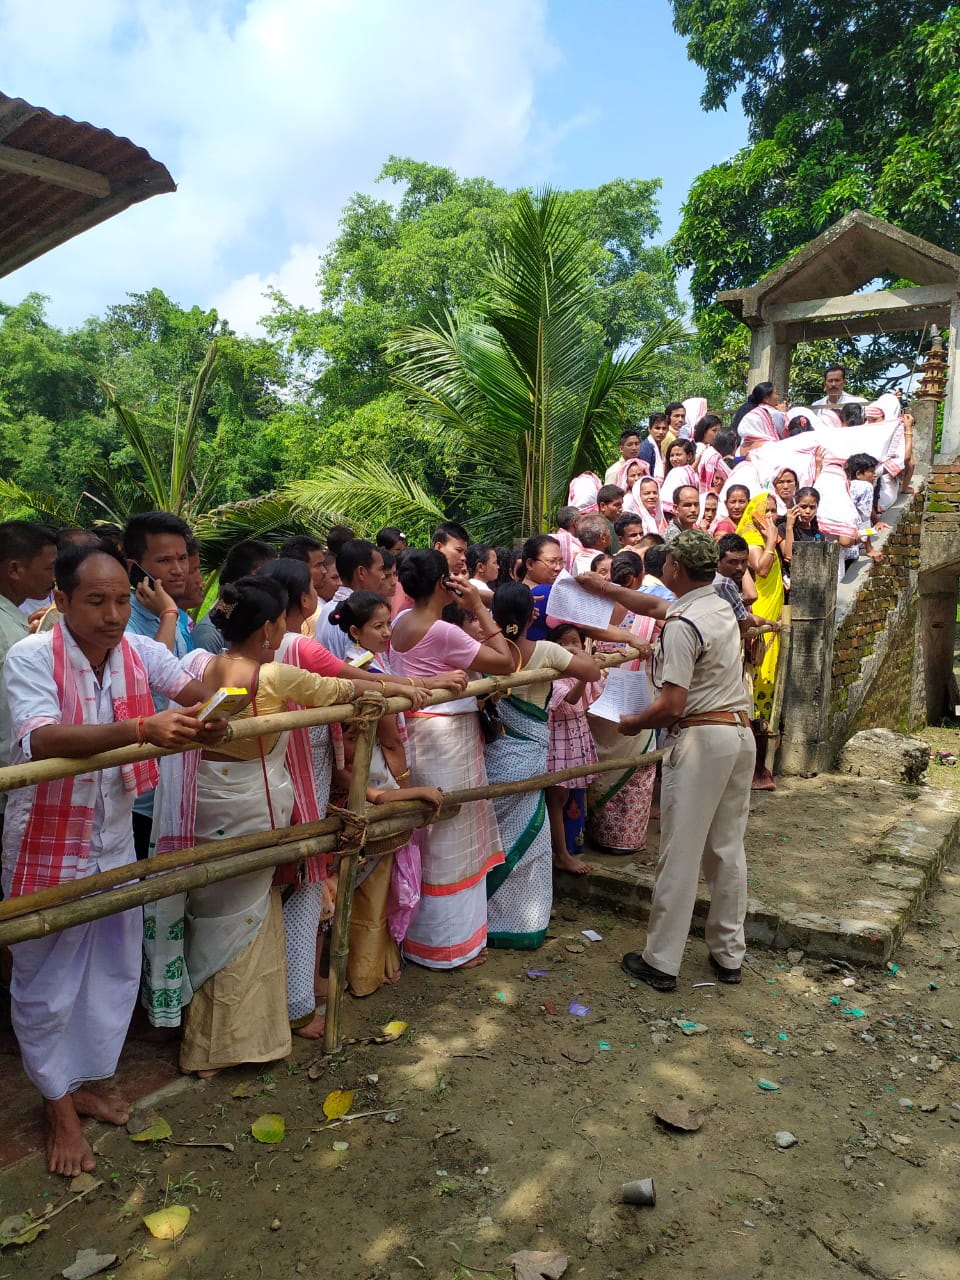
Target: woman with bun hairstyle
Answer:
pixel 234 945
pixel 520 890
pixel 311 752
pixel 445 750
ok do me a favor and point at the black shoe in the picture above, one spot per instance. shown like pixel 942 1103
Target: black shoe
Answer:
pixel 731 976
pixel 634 964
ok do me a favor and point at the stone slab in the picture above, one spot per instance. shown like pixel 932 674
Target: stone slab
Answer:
pixel 885 893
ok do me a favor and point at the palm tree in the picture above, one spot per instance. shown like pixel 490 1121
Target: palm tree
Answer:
pixel 522 379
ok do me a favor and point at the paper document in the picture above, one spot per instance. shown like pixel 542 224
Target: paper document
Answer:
pixel 626 693
pixel 571 603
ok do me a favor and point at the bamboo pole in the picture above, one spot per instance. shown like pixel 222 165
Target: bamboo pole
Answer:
pixel 340 931
pixel 37 771
pixel 37 914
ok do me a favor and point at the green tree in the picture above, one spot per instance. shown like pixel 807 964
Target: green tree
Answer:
pixel 851 104
pixel 520 385
pixel 396 264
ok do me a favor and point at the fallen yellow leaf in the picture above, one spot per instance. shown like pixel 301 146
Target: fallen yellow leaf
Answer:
pixel 337 1103
pixel 394 1029
pixel 167 1224
pixel 268 1128
pixel 155 1132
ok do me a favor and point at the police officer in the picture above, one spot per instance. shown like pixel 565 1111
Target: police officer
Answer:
pixel 705 797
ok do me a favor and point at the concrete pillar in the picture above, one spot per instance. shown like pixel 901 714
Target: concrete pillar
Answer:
pixel 938 629
pixel 762 346
pixel 950 441
pixel 924 430
pixel 805 741
pixel 782 353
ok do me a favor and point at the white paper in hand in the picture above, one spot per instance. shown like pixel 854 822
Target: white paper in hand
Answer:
pixel 626 693
pixel 571 603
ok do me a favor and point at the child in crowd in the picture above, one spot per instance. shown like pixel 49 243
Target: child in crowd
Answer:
pixel 861 471
pixel 571 743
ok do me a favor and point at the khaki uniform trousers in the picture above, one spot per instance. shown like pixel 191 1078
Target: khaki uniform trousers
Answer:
pixel 704 805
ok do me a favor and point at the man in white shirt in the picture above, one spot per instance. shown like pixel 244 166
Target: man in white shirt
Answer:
pixel 834 384
pixel 82 688
pixel 360 566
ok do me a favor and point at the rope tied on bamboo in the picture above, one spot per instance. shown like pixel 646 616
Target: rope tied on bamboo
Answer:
pixel 354 829
pixel 370 705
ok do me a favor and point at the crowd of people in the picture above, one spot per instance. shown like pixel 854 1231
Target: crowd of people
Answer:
pixel 688 538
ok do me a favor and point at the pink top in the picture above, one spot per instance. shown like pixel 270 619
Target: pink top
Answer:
pixel 312 656
pixel 445 647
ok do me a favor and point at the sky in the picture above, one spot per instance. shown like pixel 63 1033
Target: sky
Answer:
pixel 270 114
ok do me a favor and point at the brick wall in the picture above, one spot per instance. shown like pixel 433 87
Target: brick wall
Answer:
pixel 875 653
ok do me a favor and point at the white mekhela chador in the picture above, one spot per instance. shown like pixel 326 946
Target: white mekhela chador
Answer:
pixel 72 994
pixel 520 891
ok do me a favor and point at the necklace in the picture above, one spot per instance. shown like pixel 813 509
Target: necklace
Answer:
pixel 99 669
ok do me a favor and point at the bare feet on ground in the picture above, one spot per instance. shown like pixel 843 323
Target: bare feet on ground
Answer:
pixel 312 1030
pixel 567 862
pixel 68 1151
pixel 208 1073
pixel 391 979
pixel 108 1107
pixel 479 959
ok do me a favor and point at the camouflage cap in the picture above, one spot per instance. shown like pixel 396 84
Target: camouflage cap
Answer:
pixel 695 550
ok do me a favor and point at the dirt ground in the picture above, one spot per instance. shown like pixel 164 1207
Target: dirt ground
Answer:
pixel 500 1137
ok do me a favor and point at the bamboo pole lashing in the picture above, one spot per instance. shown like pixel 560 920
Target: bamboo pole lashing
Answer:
pixel 30 774
pixel 107 892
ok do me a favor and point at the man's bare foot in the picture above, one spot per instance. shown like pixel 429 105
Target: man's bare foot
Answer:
pixel 567 862
pixel 208 1073
pixel 312 1030
pixel 108 1107
pixel 68 1151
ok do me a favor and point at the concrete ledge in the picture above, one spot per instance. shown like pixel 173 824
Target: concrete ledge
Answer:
pixel 886 894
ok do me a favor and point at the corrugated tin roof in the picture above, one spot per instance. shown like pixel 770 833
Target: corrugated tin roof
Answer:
pixel 59 177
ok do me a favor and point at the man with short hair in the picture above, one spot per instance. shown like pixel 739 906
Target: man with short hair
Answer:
pixel 629 530
pixel 452 540
pixel 629 448
pixel 651 449
pixel 834 386
pixel 594 534
pixel 83 688
pixel 610 505
pixel 734 555
pixel 360 565
pixel 157 542
pixel 193 594
pixel 28 553
pixel 686 512
pixel 707 772
pixel 243 558
pixel 311 552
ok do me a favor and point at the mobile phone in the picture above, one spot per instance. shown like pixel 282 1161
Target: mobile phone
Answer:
pixel 137 575
pixel 452 586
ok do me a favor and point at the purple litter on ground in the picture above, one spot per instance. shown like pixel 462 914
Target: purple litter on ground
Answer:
pixel 536 973
pixel 578 1010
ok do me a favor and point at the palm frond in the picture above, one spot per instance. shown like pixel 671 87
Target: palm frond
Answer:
pixel 17 502
pixel 156 482
pixel 184 490
pixel 365 495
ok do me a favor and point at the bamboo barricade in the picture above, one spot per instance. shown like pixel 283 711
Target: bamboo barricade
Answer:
pixel 343 833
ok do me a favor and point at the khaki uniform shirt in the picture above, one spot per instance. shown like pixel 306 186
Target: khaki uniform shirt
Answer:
pixel 707 665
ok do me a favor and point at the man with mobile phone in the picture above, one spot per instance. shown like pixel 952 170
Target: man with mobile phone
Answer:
pixel 155 549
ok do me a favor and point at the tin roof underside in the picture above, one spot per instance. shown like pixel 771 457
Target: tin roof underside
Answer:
pixel 59 177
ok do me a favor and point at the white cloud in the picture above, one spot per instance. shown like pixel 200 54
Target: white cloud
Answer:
pixel 269 115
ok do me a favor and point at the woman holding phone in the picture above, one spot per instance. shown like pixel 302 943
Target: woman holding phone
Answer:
pixel 445 750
